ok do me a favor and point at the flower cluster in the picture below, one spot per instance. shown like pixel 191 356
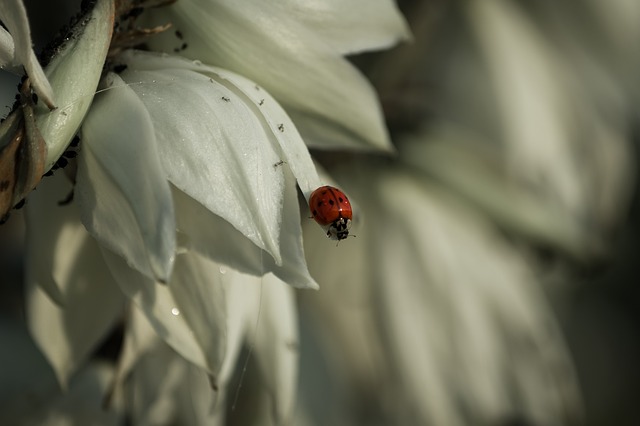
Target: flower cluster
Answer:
pixel 166 265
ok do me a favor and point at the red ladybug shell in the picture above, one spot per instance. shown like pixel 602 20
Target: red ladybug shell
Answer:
pixel 330 207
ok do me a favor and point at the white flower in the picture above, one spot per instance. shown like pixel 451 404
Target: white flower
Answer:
pixel 184 230
pixel 186 184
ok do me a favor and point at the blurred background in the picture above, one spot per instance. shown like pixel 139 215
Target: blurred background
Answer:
pixel 542 94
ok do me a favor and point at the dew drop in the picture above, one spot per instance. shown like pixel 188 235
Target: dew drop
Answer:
pixel 175 311
pixel 197 62
pixel 223 270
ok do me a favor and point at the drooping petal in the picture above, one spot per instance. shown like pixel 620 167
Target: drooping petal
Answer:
pixel 53 237
pixel 72 299
pixel 182 394
pixel 213 145
pixel 122 189
pixel 31 396
pixel 14 16
pixel 139 338
pixel 197 331
pixel 331 102
pixel 276 346
pixel 262 316
pixel 199 228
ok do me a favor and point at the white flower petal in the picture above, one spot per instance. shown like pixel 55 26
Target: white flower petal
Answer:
pixel 276 346
pixel 460 160
pixel 74 73
pixel 534 101
pixel 188 313
pixel 181 395
pixel 200 230
pixel 463 315
pixel 6 49
pixel 262 315
pixel 122 189
pixel 92 304
pixel 54 237
pixel 31 396
pixel 350 27
pixel 278 127
pixel 214 148
pixel 14 16
pixel 327 97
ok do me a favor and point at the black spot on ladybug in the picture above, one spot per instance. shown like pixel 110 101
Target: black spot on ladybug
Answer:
pixel 331 202
pixel 340 199
pixel 320 203
pixel 315 212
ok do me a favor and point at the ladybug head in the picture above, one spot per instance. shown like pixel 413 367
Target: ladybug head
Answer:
pixel 339 229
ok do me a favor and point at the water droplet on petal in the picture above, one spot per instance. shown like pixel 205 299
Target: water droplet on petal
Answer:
pixel 223 270
pixel 197 62
pixel 175 311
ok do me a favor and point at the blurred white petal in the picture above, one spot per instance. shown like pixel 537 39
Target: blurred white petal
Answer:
pixel 31 396
pixel 14 16
pixel 351 27
pixel 54 238
pixel 455 310
pixel 286 56
pixel 262 315
pixel 139 338
pixel 197 331
pixel 276 346
pixel 67 335
pixel 86 300
pixel 469 167
pixel 122 189
pixel 533 101
pixel 181 395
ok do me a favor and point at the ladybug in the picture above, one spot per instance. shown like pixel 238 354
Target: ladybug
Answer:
pixel 332 209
